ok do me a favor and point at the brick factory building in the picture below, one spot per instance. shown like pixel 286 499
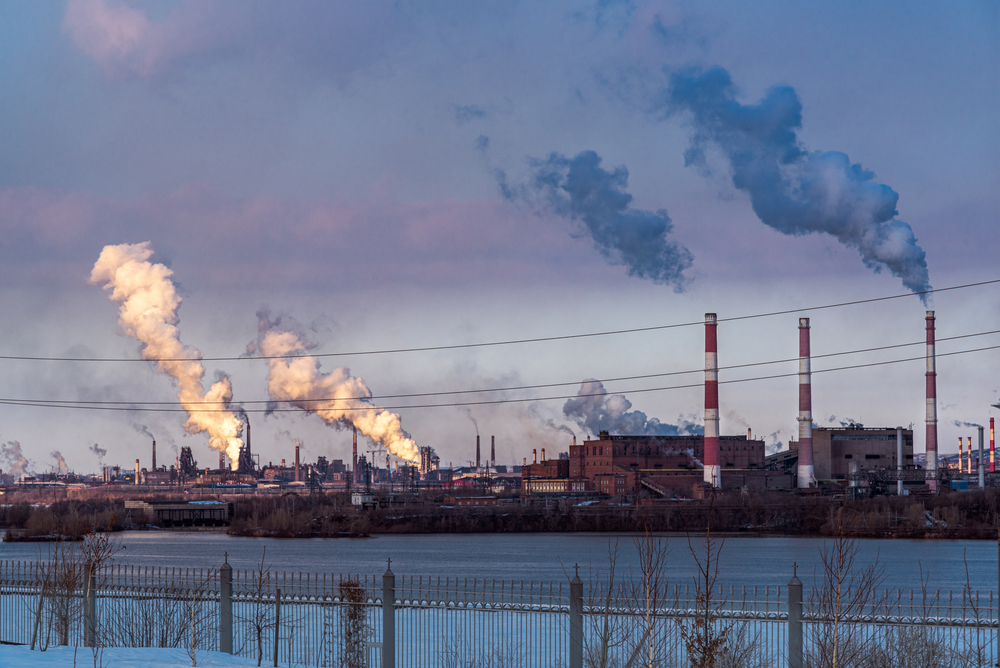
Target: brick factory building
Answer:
pixel 835 448
pixel 624 466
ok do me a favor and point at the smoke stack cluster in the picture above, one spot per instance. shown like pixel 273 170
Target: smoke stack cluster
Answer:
pixel 806 472
pixel 931 442
pixel 712 470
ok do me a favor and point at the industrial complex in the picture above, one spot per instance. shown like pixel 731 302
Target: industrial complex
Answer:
pixel 853 459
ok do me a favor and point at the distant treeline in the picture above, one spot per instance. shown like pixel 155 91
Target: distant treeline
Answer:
pixel 950 515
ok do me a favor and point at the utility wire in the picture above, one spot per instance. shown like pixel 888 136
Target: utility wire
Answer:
pixel 459 346
pixel 56 404
pixel 516 387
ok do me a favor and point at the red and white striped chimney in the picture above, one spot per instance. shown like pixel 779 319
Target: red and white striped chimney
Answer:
pixel 992 461
pixel 713 474
pixel 931 442
pixel 807 474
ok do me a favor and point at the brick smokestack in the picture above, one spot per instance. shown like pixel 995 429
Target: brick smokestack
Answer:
pixel 712 471
pixel 931 441
pixel 477 452
pixel 992 461
pixel 807 474
pixel 222 461
pixel 493 451
pixel 354 468
pixel 296 463
pixel 154 455
pixel 961 459
pixel 137 472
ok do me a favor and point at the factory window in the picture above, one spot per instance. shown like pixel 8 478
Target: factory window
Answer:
pixel 616 449
pixel 873 456
pixel 657 449
pixel 848 456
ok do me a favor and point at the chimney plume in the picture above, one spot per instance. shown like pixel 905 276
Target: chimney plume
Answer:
pixel 931 444
pixel 712 471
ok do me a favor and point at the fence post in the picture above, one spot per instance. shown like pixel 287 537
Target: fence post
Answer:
pixel 89 610
pixel 226 607
pixel 576 620
pixel 388 617
pixel 794 620
pixel 277 623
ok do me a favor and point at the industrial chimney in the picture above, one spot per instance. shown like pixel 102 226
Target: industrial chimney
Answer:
pixel 982 462
pixel 543 455
pixel 154 454
pixel 961 461
pixel 477 452
pixel 712 473
pixel 137 472
pixel 806 472
pixel 222 461
pixel 354 470
pixel 534 456
pixel 992 461
pixel 493 451
pixel 931 439
pixel 296 463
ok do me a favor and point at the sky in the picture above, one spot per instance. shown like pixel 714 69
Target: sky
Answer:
pixel 373 176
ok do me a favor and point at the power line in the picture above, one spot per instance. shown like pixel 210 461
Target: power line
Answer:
pixel 486 344
pixel 519 387
pixel 77 406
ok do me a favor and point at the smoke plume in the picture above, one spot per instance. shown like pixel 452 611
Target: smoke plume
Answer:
pixel 14 462
pixel 468 414
pixel 560 427
pixel 960 423
pixel 61 467
pixel 340 399
pixel 581 190
pixel 149 313
pixel 793 190
pixel 596 411
pixel 99 451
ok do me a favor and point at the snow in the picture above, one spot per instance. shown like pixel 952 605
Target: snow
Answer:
pixel 115 657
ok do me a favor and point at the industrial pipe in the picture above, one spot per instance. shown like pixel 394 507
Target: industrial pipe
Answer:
pixel 712 471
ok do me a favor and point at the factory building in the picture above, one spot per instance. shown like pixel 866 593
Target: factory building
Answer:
pixel 835 448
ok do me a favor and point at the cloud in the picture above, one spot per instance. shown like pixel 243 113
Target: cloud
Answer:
pixel 581 190
pixel 793 190
pixel 596 411
pixel 465 114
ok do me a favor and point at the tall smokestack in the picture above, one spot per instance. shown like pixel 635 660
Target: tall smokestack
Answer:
pixel 931 444
pixel 807 474
pixel 222 461
pixel 137 472
pixel 477 452
pixel 712 471
pixel 961 461
pixel 154 454
pixel 296 463
pixel 968 457
pixel 493 451
pixel 992 461
pixel 354 470
pixel 534 456
pixel 982 462
pixel 543 455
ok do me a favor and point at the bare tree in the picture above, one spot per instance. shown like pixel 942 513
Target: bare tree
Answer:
pixel 353 623
pixel 848 591
pixel 260 609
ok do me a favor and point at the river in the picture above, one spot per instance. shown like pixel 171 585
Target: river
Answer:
pixel 745 560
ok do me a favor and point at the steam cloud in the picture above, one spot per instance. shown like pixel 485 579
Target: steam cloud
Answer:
pixel 14 461
pixel 581 190
pixel 596 411
pixel 149 313
pixel 792 190
pixel 337 397
pixel 61 467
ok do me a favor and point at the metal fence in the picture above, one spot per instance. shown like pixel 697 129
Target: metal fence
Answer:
pixel 410 621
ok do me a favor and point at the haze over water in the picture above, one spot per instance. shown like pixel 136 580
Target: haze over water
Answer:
pixel 746 560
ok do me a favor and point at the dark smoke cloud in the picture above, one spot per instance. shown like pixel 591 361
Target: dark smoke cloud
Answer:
pixel 581 190
pixel 14 461
pixel 596 411
pixel 99 451
pixel 468 414
pixel 961 423
pixel 793 190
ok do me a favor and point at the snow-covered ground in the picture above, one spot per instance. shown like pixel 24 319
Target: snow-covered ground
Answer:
pixel 114 657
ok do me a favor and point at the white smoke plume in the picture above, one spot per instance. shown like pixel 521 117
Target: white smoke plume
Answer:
pixel 61 467
pixel 15 462
pixel 149 304
pixel 337 397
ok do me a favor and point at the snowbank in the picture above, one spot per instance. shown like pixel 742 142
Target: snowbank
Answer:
pixel 115 657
